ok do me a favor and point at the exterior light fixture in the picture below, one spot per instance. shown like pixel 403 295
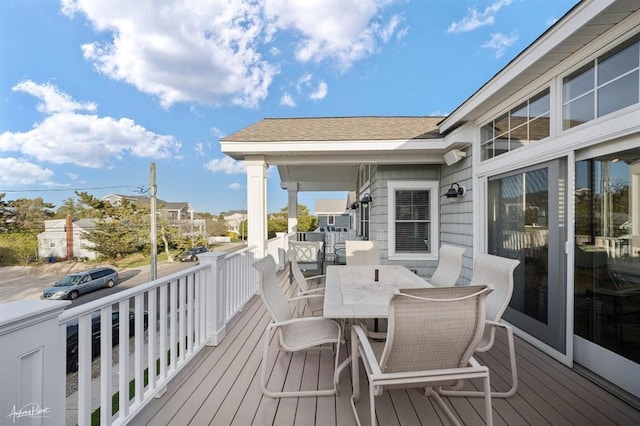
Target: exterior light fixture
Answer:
pixel 354 206
pixel 366 198
pixel 453 156
pixel 453 192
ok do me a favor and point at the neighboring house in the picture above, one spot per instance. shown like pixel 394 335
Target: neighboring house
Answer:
pixel 234 220
pixel 179 213
pixel 332 214
pixel 63 239
pixel 544 163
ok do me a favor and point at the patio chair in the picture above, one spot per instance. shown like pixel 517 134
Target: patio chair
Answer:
pixel 362 252
pixel 313 294
pixel 293 334
pixel 308 255
pixel 431 337
pixel 496 272
pixel 449 266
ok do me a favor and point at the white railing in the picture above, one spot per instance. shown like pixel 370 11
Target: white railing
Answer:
pixel 173 309
pixel 278 246
pixel 172 319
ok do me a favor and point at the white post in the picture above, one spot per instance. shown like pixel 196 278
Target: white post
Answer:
pixel 292 190
pixel 215 296
pixel 257 204
pixel 33 367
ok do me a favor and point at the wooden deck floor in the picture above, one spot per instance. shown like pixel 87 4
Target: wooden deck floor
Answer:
pixel 221 387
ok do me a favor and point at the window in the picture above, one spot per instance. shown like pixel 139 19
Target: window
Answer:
pixel 413 219
pixel 607 84
pixel 331 219
pixel 527 122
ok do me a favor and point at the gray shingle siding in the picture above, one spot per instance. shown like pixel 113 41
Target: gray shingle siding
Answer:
pixel 456 215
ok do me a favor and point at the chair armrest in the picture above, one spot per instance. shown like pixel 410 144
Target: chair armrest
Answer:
pixel 359 335
pixel 313 290
pixel 498 324
pixel 306 296
pixel 316 277
pixel 301 319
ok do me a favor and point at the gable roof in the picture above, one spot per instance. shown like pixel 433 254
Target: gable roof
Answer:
pixel 330 206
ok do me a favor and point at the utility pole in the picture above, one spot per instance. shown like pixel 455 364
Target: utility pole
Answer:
pixel 154 238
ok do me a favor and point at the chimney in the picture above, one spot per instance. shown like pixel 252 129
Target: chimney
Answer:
pixel 69 230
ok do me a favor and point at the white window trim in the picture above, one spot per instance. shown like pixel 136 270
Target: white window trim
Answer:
pixel 433 187
pixel 331 219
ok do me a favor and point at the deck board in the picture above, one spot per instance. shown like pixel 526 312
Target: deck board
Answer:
pixel 221 387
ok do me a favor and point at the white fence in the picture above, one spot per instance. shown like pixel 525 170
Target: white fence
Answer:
pixel 167 322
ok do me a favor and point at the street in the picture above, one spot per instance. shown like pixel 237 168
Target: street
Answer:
pixel 27 282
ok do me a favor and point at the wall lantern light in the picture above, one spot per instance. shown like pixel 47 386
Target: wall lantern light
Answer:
pixel 366 198
pixel 453 192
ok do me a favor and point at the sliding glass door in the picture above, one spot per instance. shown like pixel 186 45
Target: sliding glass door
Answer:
pixel 526 221
pixel 607 252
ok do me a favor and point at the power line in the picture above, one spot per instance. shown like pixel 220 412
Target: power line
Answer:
pixel 136 189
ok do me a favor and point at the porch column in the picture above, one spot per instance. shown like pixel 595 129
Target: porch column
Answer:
pixel 292 190
pixel 33 362
pixel 257 204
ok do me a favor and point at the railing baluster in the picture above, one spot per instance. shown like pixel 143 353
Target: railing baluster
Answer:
pixel 123 359
pixel 173 308
pixel 139 346
pixel 106 364
pixel 84 369
pixel 163 332
pixel 152 315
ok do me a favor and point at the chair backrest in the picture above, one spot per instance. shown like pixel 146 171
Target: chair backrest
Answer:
pixel 298 276
pixel 449 266
pixel 496 272
pixel 270 292
pixel 433 328
pixel 306 251
pixel 362 252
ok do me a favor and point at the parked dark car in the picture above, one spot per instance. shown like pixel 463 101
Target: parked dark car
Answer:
pixel 72 336
pixel 191 255
pixel 73 285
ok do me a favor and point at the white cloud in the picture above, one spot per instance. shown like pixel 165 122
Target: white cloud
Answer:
pixel 199 148
pixel 339 30
pixel 15 171
pixel 217 132
pixel 225 165
pixel 65 136
pixel 234 186
pixel 52 100
pixel 499 43
pixel 477 19
pixel 287 100
pixel 218 51
pixel 320 92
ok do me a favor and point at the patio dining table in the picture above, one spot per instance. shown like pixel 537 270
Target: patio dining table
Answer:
pixel 358 292
pixel 353 292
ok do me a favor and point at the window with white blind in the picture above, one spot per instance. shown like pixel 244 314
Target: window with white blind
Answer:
pixel 413 219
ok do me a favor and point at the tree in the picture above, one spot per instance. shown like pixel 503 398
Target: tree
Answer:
pixel 25 215
pixel 17 247
pixel 279 222
pixel 74 208
pixel 121 229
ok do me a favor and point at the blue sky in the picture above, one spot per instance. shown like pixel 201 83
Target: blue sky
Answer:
pixel 93 91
